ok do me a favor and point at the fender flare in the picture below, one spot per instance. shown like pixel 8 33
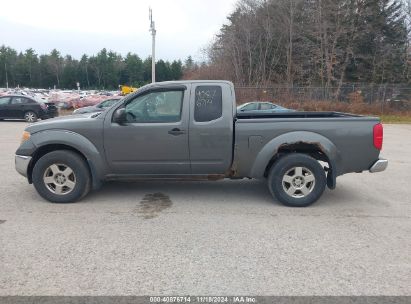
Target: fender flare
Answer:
pixel 78 142
pixel 271 149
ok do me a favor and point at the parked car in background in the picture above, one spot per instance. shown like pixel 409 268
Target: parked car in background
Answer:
pixel 98 107
pixel 266 107
pixel 26 107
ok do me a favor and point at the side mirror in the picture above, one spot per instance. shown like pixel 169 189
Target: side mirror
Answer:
pixel 120 116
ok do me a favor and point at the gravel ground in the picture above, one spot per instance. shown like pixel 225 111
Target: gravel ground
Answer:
pixel 202 238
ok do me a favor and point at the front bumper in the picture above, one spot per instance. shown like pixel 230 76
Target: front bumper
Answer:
pixel 22 163
pixel 379 166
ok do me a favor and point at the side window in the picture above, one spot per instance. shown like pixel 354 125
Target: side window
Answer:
pixel 208 103
pixel 156 107
pixel 267 106
pixel 250 107
pixel 19 100
pixel 4 100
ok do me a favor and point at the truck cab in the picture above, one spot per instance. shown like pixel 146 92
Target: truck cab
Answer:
pixel 172 129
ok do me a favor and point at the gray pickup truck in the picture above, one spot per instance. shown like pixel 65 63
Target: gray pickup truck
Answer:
pixel 190 130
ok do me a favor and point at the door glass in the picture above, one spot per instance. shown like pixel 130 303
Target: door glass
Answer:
pixel 267 106
pixel 208 103
pixel 155 107
pixel 4 100
pixel 19 100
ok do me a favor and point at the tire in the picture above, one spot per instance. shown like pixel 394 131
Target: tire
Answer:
pixel 30 116
pixel 297 180
pixel 61 177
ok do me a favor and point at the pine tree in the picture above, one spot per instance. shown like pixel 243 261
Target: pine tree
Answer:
pixel 381 45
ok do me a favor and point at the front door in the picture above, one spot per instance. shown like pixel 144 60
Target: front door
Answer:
pixel 154 139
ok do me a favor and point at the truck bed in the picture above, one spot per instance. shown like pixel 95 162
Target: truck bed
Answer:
pixel 351 136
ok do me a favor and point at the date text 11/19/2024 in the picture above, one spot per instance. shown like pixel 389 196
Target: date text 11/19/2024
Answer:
pixel 203 299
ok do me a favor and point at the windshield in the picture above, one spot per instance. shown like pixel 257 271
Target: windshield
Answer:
pixel 249 107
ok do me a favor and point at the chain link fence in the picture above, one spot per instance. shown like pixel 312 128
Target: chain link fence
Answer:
pixel 385 97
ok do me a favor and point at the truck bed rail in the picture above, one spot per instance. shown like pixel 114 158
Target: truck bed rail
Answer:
pixel 255 115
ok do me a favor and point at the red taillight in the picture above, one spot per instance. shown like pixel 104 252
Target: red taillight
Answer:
pixel 378 136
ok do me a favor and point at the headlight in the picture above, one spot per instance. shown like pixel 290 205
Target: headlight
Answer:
pixel 25 137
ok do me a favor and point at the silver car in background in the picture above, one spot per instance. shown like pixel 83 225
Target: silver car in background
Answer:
pixel 262 107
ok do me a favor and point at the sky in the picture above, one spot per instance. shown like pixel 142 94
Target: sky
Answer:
pixel 78 27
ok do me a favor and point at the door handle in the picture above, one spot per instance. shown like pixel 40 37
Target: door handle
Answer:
pixel 176 132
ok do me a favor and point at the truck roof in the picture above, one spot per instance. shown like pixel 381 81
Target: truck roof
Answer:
pixel 190 81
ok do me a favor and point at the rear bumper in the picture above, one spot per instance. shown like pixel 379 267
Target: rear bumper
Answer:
pixel 22 163
pixel 49 115
pixel 379 166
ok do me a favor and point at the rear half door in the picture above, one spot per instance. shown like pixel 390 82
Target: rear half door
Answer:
pixel 19 105
pixel 211 128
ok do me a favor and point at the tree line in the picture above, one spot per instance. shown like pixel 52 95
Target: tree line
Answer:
pixel 323 43
pixel 106 70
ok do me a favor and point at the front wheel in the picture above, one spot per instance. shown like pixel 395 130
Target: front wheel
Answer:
pixel 297 180
pixel 61 177
pixel 30 116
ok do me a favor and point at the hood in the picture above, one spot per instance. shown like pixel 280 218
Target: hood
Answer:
pixel 88 109
pixel 63 122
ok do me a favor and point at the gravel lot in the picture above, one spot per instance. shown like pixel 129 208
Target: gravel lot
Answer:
pixel 202 238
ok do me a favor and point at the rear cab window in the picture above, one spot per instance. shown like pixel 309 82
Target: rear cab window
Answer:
pixel 208 103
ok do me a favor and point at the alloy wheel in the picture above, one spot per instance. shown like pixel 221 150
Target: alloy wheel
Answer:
pixel 30 117
pixel 298 182
pixel 59 179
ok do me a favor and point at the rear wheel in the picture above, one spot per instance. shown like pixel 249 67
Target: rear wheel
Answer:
pixel 61 177
pixel 297 180
pixel 30 116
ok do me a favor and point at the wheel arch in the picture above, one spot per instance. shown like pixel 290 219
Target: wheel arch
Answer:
pixel 25 111
pixel 54 140
pixel 310 143
pixel 43 150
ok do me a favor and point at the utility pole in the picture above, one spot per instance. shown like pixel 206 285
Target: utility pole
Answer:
pixel 7 77
pixel 153 47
